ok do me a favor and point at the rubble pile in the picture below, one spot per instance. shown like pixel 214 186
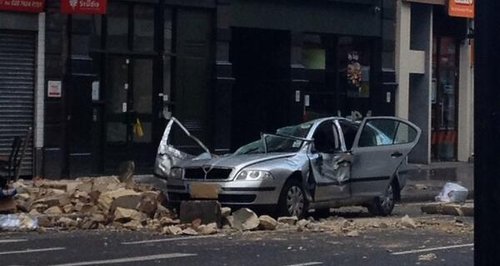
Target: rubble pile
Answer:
pixel 108 203
pixel 90 203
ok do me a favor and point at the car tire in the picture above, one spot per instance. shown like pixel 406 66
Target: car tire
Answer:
pixel 292 200
pixel 383 205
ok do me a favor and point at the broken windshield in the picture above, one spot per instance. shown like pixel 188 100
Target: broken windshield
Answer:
pixel 287 139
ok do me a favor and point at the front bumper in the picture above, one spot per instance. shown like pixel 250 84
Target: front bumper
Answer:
pixel 229 192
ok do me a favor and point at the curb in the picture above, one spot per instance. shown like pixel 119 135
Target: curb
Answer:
pixel 425 196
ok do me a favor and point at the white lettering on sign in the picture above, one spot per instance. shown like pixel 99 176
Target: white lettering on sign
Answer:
pixel 464 2
pixel 84 4
pixel 23 3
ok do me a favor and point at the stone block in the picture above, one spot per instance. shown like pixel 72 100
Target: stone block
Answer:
pixel 245 219
pixel 7 205
pixel 206 211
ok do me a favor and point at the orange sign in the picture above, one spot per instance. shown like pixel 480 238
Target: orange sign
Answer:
pixel 461 8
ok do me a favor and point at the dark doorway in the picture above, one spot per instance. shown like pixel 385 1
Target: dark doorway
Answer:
pixel 129 112
pixel 261 97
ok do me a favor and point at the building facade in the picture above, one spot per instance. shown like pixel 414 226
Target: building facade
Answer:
pixel 434 62
pixel 96 88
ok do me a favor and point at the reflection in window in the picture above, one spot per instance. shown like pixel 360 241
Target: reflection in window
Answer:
pixel 313 53
pixel 117 26
pixel 96 32
pixel 143 87
pixel 405 134
pixel 167 30
pixel 386 132
pixel 143 28
pixel 116 132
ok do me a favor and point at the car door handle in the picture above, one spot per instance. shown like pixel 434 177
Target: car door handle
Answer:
pixel 396 154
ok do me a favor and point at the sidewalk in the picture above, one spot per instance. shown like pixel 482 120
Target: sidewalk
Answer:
pixel 424 182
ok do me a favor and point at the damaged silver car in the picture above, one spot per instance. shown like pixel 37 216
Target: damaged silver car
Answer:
pixel 321 164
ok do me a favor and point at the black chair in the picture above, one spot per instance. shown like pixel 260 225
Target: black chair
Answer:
pixel 10 166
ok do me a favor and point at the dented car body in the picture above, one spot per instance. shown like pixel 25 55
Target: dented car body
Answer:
pixel 321 164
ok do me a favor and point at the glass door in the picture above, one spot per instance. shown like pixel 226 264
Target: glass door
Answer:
pixel 444 99
pixel 129 111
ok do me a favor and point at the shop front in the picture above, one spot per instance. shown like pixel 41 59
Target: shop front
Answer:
pixel 19 31
pixel 300 60
pixel 143 62
pixel 435 65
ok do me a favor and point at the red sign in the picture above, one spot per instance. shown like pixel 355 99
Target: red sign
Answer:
pixel 84 6
pixel 461 8
pixel 34 6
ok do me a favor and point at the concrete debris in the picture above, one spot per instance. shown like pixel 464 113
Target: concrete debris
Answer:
pixel 172 230
pixel 245 219
pixel 353 233
pixel 124 215
pixel 53 210
pixel 106 203
pixel 90 203
pixel 302 224
pixel 466 209
pixel 66 222
pixel 267 222
pixel 189 231
pixel 288 220
pixel 408 222
pixel 427 257
pixel 208 229
pixel 225 211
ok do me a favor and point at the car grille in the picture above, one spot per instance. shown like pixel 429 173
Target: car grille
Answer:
pixel 214 173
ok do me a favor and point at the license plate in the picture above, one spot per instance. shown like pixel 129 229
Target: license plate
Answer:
pixel 204 190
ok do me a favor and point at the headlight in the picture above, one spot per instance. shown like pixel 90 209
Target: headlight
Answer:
pixel 254 175
pixel 176 173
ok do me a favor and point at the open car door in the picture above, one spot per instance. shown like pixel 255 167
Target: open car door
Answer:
pixel 380 147
pixel 168 156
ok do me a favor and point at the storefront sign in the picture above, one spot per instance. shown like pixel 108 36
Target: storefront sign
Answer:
pixel 34 6
pixel 461 8
pixel 84 6
pixel 54 89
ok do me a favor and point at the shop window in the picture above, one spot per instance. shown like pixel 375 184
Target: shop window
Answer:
pixel 313 53
pixel 117 27
pixel 96 33
pixel 143 28
pixel 444 98
pixel 167 30
pixel 354 58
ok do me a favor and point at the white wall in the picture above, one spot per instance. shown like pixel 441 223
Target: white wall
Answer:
pixel 465 104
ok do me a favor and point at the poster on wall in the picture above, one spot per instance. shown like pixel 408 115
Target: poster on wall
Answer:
pixel 32 6
pixel 54 89
pixel 88 7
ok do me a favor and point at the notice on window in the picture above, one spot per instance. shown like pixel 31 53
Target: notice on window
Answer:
pixel 54 89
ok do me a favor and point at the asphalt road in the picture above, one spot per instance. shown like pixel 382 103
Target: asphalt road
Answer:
pixel 420 246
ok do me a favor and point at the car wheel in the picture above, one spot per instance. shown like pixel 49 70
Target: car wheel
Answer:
pixel 383 205
pixel 292 201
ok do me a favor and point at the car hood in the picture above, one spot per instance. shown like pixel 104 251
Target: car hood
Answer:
pixel 234 160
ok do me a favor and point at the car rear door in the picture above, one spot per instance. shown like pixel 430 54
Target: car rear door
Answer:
pixel 380 146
